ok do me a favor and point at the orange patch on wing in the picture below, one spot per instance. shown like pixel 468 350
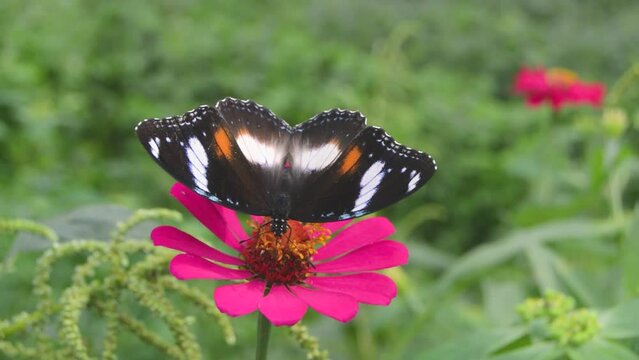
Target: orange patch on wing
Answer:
pixel 350 160
pixel 223 144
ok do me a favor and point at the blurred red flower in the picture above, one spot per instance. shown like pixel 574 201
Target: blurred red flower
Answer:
pixel 557 86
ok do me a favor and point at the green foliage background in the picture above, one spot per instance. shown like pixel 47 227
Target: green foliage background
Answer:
pixel 523 201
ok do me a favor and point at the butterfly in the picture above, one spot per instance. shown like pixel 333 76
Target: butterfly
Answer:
pixel 239 154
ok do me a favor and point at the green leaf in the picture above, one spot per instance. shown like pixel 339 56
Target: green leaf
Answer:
pixel 424 255
pixel 600 349
pixel 587 292
pixel 474 346
pixel 629 251
pixel 489 255
pixel 539 351
pixel 412 220
pixel 87 222
pixel 541 260
pixel 499 298
pixel 622 321
pixel 619 179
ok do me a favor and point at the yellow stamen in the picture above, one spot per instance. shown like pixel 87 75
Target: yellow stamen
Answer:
pixel 285 259
pixel 562 77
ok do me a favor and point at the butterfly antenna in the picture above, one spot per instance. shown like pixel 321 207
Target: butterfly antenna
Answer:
pixel 290 231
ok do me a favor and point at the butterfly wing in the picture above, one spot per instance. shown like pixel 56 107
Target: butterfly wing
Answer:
pixel 263 139
pixel 199 150
pixel 240 155
pixel 373 172
pixel 261 136
pixel 317 143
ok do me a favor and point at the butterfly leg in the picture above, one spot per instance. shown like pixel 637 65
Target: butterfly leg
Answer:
pixel 288 230
pixel 260 231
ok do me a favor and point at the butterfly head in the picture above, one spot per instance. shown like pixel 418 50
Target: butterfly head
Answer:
pixel 278 226
pixel 281 211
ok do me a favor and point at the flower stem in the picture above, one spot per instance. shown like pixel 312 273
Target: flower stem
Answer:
pixel 263 332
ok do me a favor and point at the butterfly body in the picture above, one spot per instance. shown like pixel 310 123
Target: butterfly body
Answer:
pixel 240 155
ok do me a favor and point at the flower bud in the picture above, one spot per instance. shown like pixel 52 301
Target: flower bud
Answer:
pixel 575 327
pixel 615 121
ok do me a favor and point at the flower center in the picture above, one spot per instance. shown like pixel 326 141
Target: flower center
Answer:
pixel 285 259
pixel 561 77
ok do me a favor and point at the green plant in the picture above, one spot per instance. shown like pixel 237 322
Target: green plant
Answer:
pixel 111 276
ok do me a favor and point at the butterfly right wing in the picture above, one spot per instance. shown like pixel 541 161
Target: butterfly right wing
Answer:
pixel 317 143
pixel 199 150
pixel 373 172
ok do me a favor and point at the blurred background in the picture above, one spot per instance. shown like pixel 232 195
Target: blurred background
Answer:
pixel 525 199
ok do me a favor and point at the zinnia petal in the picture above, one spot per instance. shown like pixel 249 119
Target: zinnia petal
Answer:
pixel 362 233
pixel 586 93
pixel 380 255
pixel 221 221
pixel 281 307
pixel 336 225
pixel 369 288
pixel 535 100
pixel 531 80
pixel 176 239
pixel 258 219
pixel 340 307
pixel 239 299
pixel 189 267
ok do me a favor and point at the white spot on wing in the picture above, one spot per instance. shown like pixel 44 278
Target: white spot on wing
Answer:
pixel 198 162
pixel 413 182
pixel 369 185
pixel 259 153
pixel 318 158
pixel 155 148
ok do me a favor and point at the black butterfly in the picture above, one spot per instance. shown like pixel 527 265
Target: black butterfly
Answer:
pixel 240 155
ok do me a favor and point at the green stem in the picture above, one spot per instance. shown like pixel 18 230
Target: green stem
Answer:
pixel 555 118
pixel 620 87
pixel 263 333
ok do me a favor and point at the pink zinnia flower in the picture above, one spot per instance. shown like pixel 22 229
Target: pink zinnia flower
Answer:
pixel 557 86
pixel 301 270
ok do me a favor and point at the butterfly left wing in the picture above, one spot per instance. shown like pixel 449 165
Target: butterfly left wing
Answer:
pixel 261 136
pixel 199 150
pixel 373 172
